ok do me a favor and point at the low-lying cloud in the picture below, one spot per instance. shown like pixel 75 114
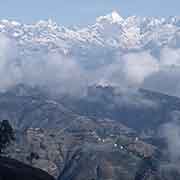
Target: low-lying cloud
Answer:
pixel 65 74
pixel 171 131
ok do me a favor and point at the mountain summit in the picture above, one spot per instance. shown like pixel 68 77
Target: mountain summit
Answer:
pixel 113 17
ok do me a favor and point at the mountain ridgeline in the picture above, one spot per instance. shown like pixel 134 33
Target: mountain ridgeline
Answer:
pixel 94 136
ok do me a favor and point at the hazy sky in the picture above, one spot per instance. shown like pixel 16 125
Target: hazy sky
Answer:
pixel 81 12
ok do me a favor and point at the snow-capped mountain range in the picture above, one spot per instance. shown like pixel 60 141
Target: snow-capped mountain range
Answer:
pixel 118 51
pixel 110 32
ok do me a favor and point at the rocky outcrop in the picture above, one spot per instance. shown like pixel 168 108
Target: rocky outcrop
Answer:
pixel 14 170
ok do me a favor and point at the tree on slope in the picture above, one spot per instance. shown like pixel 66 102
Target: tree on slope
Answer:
pixel 6 135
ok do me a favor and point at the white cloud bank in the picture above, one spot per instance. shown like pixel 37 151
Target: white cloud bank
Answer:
pixel 66 74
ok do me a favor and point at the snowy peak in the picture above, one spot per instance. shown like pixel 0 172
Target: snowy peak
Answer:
pixel 116 17
pixel 113 17
pixel 110 32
